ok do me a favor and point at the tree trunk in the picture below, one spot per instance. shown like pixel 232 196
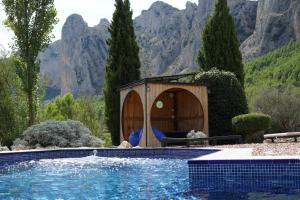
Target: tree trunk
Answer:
pixel 30 109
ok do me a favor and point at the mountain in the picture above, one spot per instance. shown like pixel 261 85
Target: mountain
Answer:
pixel 278 67
pixel 76 62
pixel 169 41
pixel 278 22
pixel 170 38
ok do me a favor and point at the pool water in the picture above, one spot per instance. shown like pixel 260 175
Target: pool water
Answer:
pixel 111 178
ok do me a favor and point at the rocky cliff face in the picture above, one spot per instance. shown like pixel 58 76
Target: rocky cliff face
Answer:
pixel 169 41
pixel 278 21
pixel 76 62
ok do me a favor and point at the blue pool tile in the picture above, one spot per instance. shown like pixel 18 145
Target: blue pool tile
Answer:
pixel 258 173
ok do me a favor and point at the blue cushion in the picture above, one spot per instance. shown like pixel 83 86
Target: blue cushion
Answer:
pixel 135 137
pixel 158 134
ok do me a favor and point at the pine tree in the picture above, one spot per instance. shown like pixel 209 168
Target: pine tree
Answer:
pixel 220 45
pixel 123 64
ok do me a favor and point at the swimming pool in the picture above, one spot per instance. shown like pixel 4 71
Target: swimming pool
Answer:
pixel 134 177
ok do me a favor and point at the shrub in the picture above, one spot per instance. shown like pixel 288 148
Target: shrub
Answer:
pixel 226 99
pixel 88 110
pixel 60 134
pixel 282 104
pixel 251 126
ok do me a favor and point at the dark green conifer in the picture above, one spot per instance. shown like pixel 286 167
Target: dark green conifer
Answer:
pixel 123 64
pixel 220 45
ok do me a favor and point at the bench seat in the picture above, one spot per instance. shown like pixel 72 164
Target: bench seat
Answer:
pixel 189 141
pixel 273 136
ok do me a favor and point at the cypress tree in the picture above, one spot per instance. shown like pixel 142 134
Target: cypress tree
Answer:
pixel 122 66
pixel 220 45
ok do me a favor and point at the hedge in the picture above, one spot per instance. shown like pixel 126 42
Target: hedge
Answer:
pixel 226 99
pixel 251 123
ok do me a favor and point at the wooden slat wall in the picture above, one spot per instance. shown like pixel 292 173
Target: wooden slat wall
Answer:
pixel 189 112
pixel 132 113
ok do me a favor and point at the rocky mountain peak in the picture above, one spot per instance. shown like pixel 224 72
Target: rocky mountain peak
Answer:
pixel 189 5
pixel 74 26
pixel 104 22
pixel 162 6
pixel 76 62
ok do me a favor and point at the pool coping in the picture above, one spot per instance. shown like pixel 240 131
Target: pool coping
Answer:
pixel 213 156
pixel 241 156
pixel 13 157
pixel 108 149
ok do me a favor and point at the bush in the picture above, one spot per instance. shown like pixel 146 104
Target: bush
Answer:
pixel 88 110
pixel 251 126
pixel 282 104
pixel 60 134
pixel 226 99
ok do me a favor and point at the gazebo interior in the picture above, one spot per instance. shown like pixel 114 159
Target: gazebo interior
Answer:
pixel 176 112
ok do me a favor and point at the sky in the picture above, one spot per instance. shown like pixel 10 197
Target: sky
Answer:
pixel 91 10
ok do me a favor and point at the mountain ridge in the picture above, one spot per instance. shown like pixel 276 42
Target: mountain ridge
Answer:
pixel 169 41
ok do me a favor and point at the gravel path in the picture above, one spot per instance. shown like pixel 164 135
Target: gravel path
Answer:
pixel 269 149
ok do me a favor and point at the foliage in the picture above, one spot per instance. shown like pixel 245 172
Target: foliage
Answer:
pixel 7 119
pixel 226 99
pixel 58 133
pixel 282 104
pixel 61 108
pixel 12 103
pixel 249 125
pixel 279 67
pixel 123 64
pixel 88 110
pixel 32 22
pixel 220 45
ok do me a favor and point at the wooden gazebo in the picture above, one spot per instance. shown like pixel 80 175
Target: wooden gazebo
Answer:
pixel 166 103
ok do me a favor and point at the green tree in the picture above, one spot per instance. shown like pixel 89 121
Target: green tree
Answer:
pixel 32 22
pixel 7 120
pixel 123 64
pixel 61 108
pixel 12 102
pixel 220 45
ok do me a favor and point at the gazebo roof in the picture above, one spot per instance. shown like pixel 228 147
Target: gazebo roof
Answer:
pixel 174 79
